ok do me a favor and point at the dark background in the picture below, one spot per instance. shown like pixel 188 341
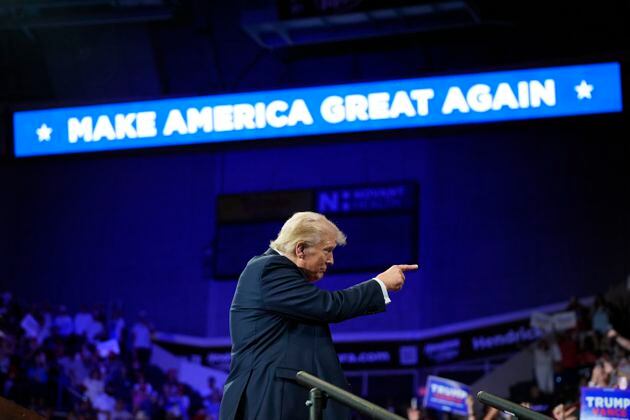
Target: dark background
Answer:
pixel 511 216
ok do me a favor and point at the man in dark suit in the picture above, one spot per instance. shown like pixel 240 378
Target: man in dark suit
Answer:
pixel 279 322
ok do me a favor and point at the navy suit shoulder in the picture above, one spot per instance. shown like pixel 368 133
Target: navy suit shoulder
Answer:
pixel 279 325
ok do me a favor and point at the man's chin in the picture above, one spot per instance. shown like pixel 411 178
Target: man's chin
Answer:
pixel 316 277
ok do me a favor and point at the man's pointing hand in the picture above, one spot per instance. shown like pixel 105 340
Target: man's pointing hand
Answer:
pixel 394 277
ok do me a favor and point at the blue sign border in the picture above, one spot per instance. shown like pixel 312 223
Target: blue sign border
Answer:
pixel 387 105
pixel 605 404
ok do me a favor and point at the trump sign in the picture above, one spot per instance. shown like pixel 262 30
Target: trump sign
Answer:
pixel 604 404
pixel 446 395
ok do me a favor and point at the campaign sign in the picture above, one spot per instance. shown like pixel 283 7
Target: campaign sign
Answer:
pixel 541 321
pixel 446 395
pixel 386 105
pixel 563 321
pixel 604 404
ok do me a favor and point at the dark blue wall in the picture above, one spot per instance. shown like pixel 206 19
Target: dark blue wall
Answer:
pixel 512 216
pixel 123 230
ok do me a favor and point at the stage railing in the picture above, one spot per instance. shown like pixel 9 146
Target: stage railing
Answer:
pixel 509 407
pixel 11 411
pixel 322 390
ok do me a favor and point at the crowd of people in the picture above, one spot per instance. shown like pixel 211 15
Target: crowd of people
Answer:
pixel 89 366
pixel 590 354
pixel 86 365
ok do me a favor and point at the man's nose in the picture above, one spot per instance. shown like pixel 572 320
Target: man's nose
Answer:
pixel 331 260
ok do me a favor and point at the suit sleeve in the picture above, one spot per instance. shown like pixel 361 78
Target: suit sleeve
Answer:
pixel 286 291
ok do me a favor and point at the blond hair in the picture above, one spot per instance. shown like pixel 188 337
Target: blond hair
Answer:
pixel 307 227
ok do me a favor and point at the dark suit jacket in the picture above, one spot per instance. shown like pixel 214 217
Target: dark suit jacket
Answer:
pixel 279 325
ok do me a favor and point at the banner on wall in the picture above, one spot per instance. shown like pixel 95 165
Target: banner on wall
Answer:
pixel 370 353
pixel 446 395
pixel 604 404
pixel 386 105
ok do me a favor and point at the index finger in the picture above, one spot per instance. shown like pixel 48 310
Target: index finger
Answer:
pixel 570 411
pixel 407 267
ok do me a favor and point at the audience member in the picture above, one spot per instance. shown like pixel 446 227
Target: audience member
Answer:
pixel 546 355
pixel 141 339
pixel 142 396
pixel 599 315
pixel 120 411
pixel 95 330
pixel 94 385
pixel 581 313
pixel 63 323
pixel 212 396
pixel 116 327
pixel 82 320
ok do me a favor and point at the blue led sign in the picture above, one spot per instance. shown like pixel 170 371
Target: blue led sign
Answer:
pixel 434 101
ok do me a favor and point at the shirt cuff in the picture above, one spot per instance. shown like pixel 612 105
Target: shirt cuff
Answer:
pixel 384 290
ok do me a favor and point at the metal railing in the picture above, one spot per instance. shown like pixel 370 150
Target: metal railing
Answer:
pixel 322 390
pixel 509 407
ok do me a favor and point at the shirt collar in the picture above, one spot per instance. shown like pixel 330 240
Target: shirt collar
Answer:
pixel 279 252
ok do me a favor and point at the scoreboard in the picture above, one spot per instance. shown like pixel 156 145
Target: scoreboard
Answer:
pixel 381 222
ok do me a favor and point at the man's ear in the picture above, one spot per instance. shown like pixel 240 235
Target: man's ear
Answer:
pixel 299 250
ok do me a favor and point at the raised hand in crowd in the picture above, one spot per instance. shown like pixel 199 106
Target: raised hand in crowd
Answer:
pixel 491 414
pixel 563 412
pixel 414 414
pixel 622 341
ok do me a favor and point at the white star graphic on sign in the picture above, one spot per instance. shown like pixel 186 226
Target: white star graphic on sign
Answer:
pixel 584 90
pixel 44 132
